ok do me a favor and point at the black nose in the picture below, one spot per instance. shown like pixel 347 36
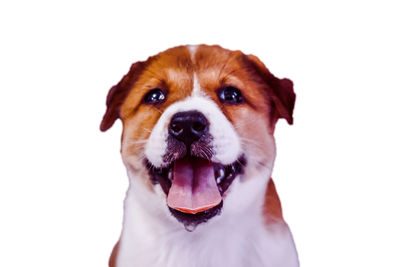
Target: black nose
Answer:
pixel 188 126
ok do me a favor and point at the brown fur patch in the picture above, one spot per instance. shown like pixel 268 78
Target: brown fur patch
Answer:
pixel 279 91
pixel 272 205
pixel 171 71
pixel 112 262
pixel 118 93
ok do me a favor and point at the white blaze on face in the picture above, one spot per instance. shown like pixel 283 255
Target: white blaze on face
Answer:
pixel 192 49
pixel 196 86
pixel 225 141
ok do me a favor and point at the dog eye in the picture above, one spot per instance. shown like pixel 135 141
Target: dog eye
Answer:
pixel 154 96
pixel 230 95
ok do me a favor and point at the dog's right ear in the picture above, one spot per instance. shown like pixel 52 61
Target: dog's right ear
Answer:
pixel 118 93
pixel 281 91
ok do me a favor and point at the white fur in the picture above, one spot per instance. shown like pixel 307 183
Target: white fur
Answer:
pixel 192 50
pixel 196 86
pixel 226 143
pixel 236 238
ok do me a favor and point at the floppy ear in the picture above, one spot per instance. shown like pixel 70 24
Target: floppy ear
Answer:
pixel 118 93
pixel 281 91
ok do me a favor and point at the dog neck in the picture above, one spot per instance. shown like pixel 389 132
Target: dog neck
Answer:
pixel 242 235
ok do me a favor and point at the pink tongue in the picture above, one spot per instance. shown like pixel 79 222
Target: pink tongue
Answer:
pixel 194 188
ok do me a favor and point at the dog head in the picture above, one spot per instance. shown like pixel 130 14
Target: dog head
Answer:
pixel 198 124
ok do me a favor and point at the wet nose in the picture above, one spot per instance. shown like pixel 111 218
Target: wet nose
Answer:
pixel 188 126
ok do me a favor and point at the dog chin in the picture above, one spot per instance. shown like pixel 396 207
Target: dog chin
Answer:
pixel 223 175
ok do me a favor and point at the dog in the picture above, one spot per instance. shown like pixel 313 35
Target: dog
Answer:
pixel 198 146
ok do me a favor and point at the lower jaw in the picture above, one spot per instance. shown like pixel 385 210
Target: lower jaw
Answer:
pixel 191 221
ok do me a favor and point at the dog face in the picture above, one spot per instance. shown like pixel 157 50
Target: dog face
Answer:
pixel 198 125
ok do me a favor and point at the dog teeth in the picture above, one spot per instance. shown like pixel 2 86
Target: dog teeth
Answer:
pixel 231 171
pixel 232 168
pixel 219 173
pixel 170 174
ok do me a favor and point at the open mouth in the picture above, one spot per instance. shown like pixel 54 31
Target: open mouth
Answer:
pixel 195 186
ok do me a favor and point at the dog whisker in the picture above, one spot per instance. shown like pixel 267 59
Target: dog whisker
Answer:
pixel 157 109
pixel 142 156
pixel 248 140
pixel 133 142
pixel 248 122
pixel 145 129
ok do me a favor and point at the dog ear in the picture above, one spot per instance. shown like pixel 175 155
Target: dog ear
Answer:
pixel 118 93
pixel 281 91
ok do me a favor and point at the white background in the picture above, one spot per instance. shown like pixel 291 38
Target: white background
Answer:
pixel 337 171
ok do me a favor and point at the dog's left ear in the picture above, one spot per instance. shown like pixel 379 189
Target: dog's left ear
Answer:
pixel 281 91
pixel 118 93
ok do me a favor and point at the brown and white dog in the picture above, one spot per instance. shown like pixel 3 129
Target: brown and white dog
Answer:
pixel 198 146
